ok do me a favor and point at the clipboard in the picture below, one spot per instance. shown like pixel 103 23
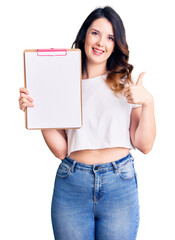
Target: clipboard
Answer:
pixel 53 79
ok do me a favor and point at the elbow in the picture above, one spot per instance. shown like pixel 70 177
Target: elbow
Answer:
pixel 61 151
pixel 61 154
pixel 146 151
pixel 144 148
pixel 61 157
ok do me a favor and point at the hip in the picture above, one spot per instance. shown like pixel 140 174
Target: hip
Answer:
pixel 115 180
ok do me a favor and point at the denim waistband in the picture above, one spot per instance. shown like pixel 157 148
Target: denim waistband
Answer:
pixel 98 166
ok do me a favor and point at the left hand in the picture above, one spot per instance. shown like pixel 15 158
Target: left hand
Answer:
pixel 137 94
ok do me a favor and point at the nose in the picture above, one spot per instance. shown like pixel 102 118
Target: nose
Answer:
pixel 100 42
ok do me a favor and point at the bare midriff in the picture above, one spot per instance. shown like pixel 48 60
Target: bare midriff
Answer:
pixel 97 156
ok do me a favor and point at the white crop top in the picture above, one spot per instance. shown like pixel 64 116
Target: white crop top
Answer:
pixel 106 118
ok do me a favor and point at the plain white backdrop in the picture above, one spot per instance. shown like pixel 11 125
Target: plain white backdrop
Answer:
pixel 27 167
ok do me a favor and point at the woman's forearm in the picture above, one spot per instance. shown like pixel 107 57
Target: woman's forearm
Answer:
pixel 146 131
pixel 56 141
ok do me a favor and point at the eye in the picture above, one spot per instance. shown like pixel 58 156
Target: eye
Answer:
pixel 95 33
pixel 111 38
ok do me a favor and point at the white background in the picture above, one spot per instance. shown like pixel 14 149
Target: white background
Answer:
pixel 27 167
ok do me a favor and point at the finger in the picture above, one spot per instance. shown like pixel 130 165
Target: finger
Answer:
pixel 139 81
pixel 128 94
pixel 125 90
pixel 22 95
pixel 25 104
pixel 23 100
pixel 129 99
pixel 22 107
pixel 24 90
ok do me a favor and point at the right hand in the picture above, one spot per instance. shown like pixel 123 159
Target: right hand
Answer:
pixel 24 99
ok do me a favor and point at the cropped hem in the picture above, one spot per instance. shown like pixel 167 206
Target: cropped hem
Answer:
pixel 96 148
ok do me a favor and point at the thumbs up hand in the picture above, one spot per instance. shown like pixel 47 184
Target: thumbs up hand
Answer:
pixel 139 80
pixel 137 94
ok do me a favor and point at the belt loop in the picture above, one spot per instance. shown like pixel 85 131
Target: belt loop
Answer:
pixel 73 166
pixel 115 167
pixel 132 156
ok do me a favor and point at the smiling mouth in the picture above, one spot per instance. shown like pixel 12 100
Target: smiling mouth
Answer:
pixel 97 51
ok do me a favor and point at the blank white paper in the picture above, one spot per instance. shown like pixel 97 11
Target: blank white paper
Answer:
pixel 54 82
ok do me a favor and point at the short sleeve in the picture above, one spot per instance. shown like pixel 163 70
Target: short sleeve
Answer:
pixel 135 105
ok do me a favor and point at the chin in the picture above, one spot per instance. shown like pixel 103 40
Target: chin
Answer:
pixel 97 61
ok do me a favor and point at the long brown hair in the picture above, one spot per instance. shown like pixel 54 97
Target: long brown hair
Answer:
pixel 118 68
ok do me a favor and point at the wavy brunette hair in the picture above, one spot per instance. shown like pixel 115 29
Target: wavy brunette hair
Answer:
pixel 118 68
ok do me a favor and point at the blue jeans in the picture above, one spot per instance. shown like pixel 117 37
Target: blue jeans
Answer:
pixel 95 202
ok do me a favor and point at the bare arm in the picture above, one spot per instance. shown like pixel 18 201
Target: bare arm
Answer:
pixel 56 140
pixel 143 127
pixel 142 124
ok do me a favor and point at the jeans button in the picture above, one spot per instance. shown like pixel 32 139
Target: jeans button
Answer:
pixel 96 168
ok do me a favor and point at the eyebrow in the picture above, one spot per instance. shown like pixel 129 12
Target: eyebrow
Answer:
pixel 99 31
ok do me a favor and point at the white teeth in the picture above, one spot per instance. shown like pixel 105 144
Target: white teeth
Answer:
pixel 98 51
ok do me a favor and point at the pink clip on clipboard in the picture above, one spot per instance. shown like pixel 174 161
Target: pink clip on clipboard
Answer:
pixel 51 52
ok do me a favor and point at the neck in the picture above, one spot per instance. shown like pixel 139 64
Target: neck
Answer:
pixel 94 70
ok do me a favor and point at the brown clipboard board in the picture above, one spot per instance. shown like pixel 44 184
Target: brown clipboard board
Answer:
pixel 54 80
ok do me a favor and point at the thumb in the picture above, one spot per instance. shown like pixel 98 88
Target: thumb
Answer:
pixel 139 80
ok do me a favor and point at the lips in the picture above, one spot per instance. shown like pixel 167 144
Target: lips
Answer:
pixel 97 51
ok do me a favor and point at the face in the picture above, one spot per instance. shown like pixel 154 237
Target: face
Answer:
pixel 99 41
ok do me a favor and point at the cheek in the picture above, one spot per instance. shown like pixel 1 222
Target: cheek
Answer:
pixel 110 49
pixel 89 42
pixel 86 48
pixel 88 45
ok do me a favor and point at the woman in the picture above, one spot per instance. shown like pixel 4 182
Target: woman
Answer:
pixel 95 193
